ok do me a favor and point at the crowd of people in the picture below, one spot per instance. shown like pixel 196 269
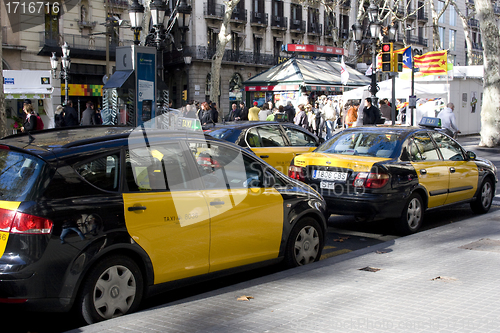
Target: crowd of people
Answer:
pixel 67 116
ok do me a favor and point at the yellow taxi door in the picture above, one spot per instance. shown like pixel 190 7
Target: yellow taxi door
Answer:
pixel 246 219
pixel 268 143
pixel 463 174
pixel 164 214
pixel 301 141
pixel 432 174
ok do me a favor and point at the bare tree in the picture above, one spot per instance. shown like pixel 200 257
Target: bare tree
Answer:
pixel 490 110
pixel 223 38
pixel 465 23
pixel 435 24
pixel 3 116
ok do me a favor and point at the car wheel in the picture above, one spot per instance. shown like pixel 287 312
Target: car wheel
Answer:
pixel 483 202
pixel 412 216
pixel 305 243
pixel 112 288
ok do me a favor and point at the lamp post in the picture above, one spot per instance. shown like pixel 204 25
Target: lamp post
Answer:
pixel 162 27
pixel 64 74
pixel 371 37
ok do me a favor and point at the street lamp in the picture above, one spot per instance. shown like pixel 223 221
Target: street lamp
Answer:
pixel 372 36
pixel 162 27
pixel 64 74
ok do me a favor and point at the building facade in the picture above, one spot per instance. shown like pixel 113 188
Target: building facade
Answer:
pixel 258 28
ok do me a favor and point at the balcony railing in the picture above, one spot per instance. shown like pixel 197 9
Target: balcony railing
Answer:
pixel 298 26
pixel 206 53
pixel 119 3
pixel 416 40
pixel 279 22
pixel 422 15
pixel 473 23
pixel 314 28
pixel 239 15
pixel 257 18
pixel 80 46
pixel 477 46
pixel 214 11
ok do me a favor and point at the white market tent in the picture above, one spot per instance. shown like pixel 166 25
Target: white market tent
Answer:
pixel 403 90
pixel 463 87
pixel 30 84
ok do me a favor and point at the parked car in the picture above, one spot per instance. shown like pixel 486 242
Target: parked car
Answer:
pixel 396 172
pixel 275 142
pixel 98 218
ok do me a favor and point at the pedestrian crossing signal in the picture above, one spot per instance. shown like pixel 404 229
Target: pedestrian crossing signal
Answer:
pixel 387 57
pixel 398 66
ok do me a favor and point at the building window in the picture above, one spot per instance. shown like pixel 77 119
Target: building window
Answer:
pixel 441 38
pixel 453 35
pixel 440 6
pixel 453 16
pixel 211 40
pixel 277 47
pixel 51 23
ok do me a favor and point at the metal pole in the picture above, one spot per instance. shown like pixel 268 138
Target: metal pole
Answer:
pixel 373 87
pixel 66 88
pixel 393 102
pixel 412 88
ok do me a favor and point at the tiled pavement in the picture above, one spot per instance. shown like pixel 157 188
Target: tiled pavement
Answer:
pixel 435 281
pixel 441 280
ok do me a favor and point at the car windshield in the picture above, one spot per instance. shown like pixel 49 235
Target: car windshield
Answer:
pixel 18 174
pixel 361 143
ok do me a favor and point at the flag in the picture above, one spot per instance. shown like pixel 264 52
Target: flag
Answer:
pixel 344 74
pixel 432 63
pixel 407 59
pixel 369 71
pixel 379 62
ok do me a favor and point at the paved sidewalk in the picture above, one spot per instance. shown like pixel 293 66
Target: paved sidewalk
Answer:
pixel 441 280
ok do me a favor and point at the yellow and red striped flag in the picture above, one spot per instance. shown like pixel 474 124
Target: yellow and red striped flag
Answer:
pixel 432 63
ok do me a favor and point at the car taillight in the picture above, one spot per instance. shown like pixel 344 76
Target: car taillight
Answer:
pixel 371 179
pixel 21 223
pixel 296 172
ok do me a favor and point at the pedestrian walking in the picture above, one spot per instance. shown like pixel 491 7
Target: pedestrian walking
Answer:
pixel 88 115
pixel 59 116
pixel 371 114
pixel 253 112
pixel 448 119
pixel 70 115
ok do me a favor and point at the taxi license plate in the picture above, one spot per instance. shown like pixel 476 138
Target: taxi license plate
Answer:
pixel 327 185
pixel 330 175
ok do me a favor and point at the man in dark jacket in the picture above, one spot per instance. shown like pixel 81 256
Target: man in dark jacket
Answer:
pixel 243 112
pixel 290 111
pixel 88 116
pixel 70 115
pixel 371 114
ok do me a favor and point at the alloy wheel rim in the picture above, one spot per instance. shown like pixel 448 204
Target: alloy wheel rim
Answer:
pixel 114 292
pixel 414 213
pixel 486 195
pixel 306 245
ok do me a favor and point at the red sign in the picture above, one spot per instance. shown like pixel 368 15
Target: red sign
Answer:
pixel 308 48
pixel 273 88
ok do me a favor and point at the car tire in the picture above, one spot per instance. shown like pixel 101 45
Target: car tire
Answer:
pixel 412 216
pixel 304 244
pixel 483 202
pixel 112 288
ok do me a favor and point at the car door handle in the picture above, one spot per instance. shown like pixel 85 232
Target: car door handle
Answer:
pixel 452 170
pixel 216 203
pixel 136 208
pixel 423 171
pixel 264 156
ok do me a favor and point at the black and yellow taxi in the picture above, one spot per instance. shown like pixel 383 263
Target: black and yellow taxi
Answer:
pixel 396 172
pixel 275 142
pixel 97 218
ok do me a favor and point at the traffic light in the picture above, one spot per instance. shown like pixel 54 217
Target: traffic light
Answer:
pixel 397 62
pixel 387 57
pixel 184 95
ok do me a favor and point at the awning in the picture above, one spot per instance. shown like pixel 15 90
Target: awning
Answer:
pixel 118 79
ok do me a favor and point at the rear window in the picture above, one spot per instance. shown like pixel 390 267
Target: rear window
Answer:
pixel 227 134
pixel 359 143
pixel 19 173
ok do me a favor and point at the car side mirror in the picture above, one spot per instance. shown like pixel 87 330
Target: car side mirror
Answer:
pixel 471 155
pixel 269 179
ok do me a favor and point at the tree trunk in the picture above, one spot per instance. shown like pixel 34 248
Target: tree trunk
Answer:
pixel 3 116
pixel 224 38
pixel 490 110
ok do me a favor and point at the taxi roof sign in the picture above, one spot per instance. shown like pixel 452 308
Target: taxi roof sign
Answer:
pixel 431 122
